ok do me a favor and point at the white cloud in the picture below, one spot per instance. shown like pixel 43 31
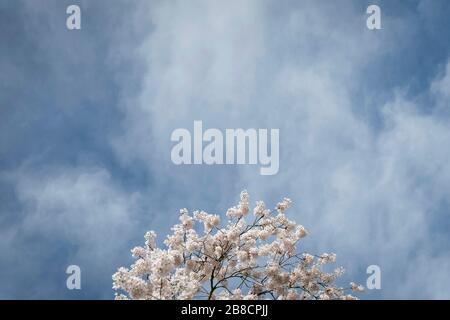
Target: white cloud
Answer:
pixel 79 210
pixel 83 205
pixel 367 193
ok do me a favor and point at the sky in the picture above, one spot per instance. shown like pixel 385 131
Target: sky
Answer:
pixel 86 118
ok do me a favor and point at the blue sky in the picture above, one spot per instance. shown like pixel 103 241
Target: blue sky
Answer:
pixel 86 118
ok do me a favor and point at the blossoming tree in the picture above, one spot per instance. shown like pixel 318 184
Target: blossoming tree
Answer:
pixel 241 260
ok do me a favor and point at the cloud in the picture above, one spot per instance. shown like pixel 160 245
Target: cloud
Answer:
pixel 69 216
pixel 368 172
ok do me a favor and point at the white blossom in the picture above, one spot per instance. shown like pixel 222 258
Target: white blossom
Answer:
pixel 356 288
pixel 283 205
pixel 150 238
pixel 243 260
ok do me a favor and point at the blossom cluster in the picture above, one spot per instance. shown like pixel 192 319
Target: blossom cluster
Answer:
pixel 241 260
